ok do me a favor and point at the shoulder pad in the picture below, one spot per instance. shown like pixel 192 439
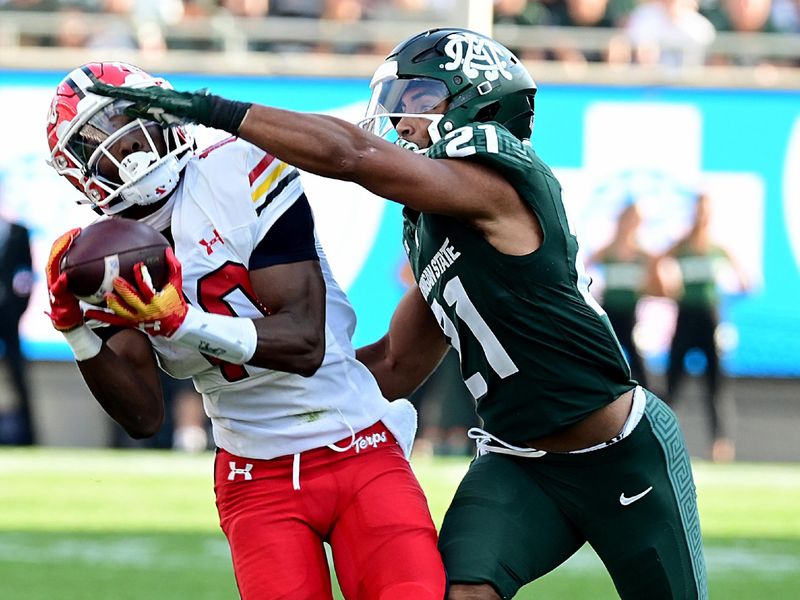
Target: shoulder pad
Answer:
pixel 490 143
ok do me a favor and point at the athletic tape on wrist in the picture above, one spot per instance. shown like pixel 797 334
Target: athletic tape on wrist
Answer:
pixel 83 342
pixel 226 114
pixel 232 339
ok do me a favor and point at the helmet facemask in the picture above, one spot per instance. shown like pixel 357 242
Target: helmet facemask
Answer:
pixel 114 160
pixel 394 99
pixel 143 176
pixel 481 80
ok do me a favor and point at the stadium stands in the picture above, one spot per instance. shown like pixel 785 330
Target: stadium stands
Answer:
pixel 569 37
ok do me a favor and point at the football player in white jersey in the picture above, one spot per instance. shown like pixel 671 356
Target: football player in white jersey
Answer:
pixel 309 450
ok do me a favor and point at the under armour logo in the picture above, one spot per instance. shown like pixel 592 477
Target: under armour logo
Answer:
pixel 154 326
pixel 208 244
pixel 245 472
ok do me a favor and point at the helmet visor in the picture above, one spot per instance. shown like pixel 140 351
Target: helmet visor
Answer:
pixel 102 125
pixel 394 98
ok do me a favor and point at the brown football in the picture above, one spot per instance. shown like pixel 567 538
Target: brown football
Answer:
pixel 110 248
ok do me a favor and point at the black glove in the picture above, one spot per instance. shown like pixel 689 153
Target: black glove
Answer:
pixel 169 107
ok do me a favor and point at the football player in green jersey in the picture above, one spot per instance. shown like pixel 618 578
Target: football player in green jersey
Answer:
pixel 572 450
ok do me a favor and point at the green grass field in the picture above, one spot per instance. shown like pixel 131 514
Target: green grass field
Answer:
pixel 87 524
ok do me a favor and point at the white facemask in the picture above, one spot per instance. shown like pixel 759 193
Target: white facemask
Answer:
pixel 155 185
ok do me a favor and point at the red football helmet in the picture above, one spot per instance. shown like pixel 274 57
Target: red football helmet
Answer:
pixel 82 129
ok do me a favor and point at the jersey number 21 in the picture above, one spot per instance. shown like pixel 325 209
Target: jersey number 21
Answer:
pixel 496 355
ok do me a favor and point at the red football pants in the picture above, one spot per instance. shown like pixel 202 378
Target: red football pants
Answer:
pixel 366 502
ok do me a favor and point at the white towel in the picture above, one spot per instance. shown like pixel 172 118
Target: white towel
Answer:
pixel 401 421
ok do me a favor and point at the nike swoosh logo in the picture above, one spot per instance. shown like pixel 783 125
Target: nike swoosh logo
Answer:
pixel 625 501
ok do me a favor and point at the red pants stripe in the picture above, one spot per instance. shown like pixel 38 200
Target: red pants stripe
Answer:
pixel 365 502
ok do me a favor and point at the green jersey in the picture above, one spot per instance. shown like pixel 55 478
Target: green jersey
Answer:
pixel 624 280
pixel 537 351
pixel 699 271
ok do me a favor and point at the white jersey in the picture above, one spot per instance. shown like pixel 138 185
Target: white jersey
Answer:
pixel 228 198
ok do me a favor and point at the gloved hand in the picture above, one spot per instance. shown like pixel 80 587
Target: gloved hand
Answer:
pixel 65 311
pixel 169 107
pixel 157 313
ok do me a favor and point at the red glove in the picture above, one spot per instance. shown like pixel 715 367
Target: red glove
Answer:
pixel 65 311
pixel 140 306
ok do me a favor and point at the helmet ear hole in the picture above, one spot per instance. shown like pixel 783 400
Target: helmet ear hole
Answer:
pixel 488 112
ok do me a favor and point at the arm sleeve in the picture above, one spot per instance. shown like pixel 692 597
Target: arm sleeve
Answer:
pixel 290 239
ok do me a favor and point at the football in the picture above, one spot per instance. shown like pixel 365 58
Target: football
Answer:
pixel 110 248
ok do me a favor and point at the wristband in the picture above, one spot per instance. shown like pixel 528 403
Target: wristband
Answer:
pixel 83 342
pixel 226 114
pixel 232 339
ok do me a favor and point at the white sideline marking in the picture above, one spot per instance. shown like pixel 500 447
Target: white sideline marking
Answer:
pixel 127 550
pixel 148 552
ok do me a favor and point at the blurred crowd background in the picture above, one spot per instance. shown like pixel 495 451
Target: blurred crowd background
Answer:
pixel 671 33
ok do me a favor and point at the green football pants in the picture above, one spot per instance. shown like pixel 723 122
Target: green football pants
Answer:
pixel 514 519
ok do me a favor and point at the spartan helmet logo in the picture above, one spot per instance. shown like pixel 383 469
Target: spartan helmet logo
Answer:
pixel 475 55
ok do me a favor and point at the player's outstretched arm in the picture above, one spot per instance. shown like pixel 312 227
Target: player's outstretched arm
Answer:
pixel 409 352
pixel 334 148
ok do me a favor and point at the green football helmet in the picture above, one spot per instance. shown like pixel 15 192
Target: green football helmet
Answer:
pixel 480 78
